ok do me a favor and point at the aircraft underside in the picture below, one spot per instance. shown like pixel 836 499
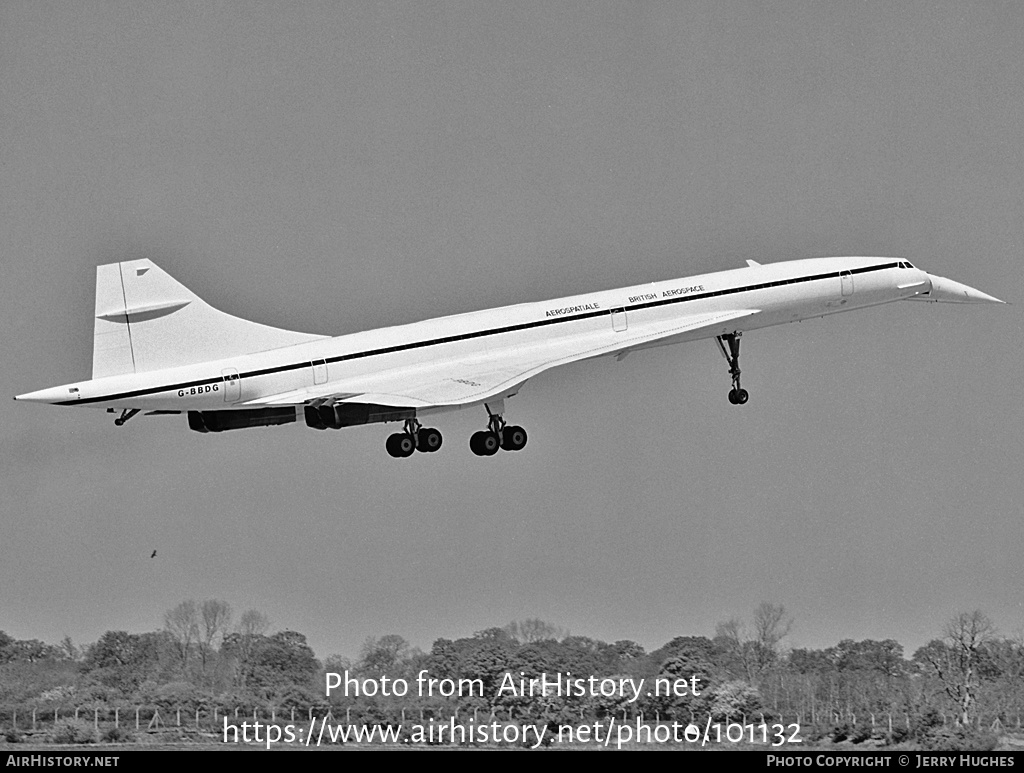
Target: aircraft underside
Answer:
pixel 498 436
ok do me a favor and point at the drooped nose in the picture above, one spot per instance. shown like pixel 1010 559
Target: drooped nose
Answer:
pixel 947 291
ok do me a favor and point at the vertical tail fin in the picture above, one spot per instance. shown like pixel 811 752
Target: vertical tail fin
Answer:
pixel 145 320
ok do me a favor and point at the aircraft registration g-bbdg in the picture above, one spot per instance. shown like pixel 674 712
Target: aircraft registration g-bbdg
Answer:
pixel 159 348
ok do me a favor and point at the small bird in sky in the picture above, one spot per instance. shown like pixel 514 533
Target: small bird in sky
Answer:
pixel 154 554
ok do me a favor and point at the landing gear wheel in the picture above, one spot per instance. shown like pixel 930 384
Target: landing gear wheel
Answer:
pixel 513 438
pixel 428 440
pixel 400 445
pixel 474 443
pixel 741 396
pixel 490 443
pixel 484 443
pixel 392 445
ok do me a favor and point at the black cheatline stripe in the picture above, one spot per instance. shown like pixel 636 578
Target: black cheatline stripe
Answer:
pixel 480 334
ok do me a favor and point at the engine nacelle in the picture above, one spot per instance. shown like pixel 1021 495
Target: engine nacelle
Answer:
pixel 352 414
pixel 219 421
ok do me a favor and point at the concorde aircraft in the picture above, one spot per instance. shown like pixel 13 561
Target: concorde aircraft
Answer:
pixel 157 347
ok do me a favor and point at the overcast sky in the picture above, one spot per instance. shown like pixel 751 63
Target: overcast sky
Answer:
pixel 342 166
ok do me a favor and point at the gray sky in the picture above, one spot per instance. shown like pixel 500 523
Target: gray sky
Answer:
pixel 342 166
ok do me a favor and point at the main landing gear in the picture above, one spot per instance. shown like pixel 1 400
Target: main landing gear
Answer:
pixel 415 438
pixel 737 395
pixel 497 435
pixel 487 442
pixel 126 414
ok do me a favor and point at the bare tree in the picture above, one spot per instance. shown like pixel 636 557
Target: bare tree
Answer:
pixel 770 627
pixel 243 642
pixel 253 623
pixel 182 623
pixel 758 650
pixel 732 635
pixel 215 619
pixel 955 658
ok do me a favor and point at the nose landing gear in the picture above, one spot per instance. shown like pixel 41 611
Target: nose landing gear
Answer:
pixel 737 395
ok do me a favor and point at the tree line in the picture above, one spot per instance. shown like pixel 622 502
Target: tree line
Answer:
pixel 968 676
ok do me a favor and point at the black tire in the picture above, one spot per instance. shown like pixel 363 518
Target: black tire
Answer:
pixel 476 443
pixel 393 445
pixel 513 438
pixel 741 396
pixel 429 440
pixel 732 396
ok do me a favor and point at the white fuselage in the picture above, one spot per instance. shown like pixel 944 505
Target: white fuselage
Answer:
pixel 781 292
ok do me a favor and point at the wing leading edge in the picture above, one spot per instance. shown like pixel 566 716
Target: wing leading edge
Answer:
pixel 462 382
